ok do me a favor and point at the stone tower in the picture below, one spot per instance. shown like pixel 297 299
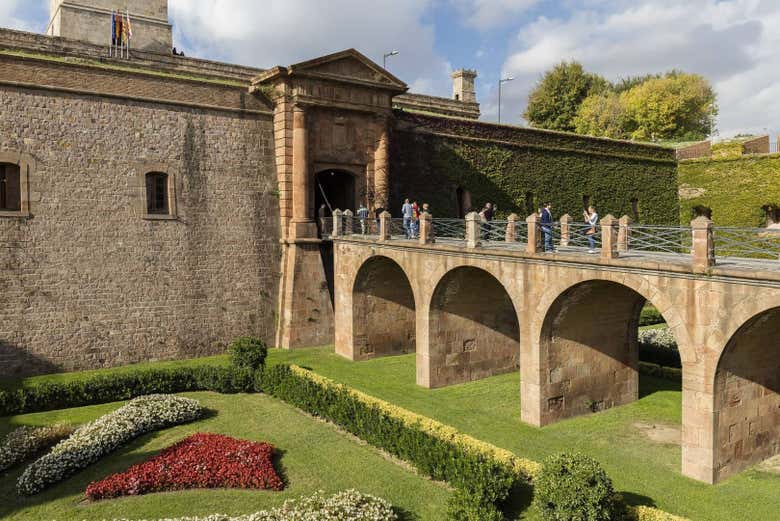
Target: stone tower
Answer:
pixel 90 21
pixel 463 85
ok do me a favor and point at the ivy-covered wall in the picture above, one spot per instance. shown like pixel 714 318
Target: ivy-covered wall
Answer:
pixel 737 190
pixel 432 157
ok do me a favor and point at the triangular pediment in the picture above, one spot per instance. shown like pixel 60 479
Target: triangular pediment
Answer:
pixel 349 66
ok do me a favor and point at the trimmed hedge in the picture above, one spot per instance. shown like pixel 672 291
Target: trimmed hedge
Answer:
pixel 650 316
pixel 433 157
pixel 248 352
pixel 125 386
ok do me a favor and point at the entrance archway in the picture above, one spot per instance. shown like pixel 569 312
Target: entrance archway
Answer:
pixel 747 396
pixel 473 329
pixel 335 188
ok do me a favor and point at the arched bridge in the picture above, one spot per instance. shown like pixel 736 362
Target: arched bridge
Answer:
pixel 482 299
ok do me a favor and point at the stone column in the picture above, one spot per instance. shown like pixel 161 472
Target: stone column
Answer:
pixel 382 165
pixel 511 228
pixel 534 234
pixel 348 222
pixel 338 223
pixel 609 231
pixel 565 229
pixel 385 224
pixel 624 233
pixel 703 244
pixel 302 225
pixel 473 235
pixel 426 229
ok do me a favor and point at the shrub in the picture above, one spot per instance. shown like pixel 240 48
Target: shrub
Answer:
pixel 25 442
pixel 574 487
pixel 125 386
pixel 650 316
pixel 248 352
pixel 198 461
pixel 92 441
pixel 349 505
pixel 659 346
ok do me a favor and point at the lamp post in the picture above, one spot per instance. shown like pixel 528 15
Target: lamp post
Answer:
pixel 386 56
pixel 501 82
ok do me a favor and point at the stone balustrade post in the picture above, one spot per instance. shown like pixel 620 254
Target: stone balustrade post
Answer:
pixel 703 252
pixel 609 233
pixel 426 229
pixel 348 222
pixel 338 223
pixel 385 226
pixel 534 234
pixel 624 233
pixel 511 228
pixel 473 230
pixel 565 230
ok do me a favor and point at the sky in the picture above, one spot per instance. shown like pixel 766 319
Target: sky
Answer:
pixel 733 43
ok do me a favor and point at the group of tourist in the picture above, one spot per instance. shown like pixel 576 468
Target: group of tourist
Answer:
pixel 411 212
pixel 590 215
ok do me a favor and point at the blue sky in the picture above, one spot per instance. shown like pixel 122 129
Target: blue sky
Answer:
pixel 734 43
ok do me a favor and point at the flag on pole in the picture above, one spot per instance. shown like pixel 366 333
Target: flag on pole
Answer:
pixel 113 29
pixel 129 27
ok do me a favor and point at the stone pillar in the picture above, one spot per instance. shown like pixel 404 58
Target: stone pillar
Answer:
pixel 511 228
pixel 385 226
pixel 534 234
pixel 609 232
pixel 624 233
pixel 565 229
pixel 382 165
pixel 349 222
pixel 699 420
pixel 426 229
pixel 473 235
pixel 302 225
pixel 338 223
pixel 703 244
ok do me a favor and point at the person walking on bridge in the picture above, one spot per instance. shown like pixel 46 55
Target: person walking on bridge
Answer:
pixel 592 220
pixel 547 221
pixel 407 212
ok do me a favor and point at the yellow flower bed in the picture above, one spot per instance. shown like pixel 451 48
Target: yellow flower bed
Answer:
pixel 524 468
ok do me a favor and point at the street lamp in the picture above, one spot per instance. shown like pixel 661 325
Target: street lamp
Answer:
pixel 501 82
pixel 386 56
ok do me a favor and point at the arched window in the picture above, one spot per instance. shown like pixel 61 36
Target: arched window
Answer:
pixel 157 194
pixel 10 188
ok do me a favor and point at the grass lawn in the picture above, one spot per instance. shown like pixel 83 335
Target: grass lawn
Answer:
pixel 646 471
pixel 315 456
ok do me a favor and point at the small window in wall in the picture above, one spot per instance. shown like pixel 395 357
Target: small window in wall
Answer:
pixel 699 211
pixel 457 97
pixel 10 188
pixel 157 194
pixel 635 209
pixel 585 202
pixel 530 206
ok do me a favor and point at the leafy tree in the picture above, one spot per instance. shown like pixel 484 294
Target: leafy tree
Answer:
pixel 677 106
pixel 555 101
pixel 601 115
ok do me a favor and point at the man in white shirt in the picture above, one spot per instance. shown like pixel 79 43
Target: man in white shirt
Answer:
pixel 407 212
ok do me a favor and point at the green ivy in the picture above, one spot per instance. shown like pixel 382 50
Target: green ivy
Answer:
pixel 432 157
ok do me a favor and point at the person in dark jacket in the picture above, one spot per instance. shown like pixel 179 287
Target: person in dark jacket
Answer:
pixel 547 221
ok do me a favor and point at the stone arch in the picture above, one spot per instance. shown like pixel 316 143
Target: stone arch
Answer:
pixel 473 327
pixel 587 334
pixel 383 309
pixel 747 396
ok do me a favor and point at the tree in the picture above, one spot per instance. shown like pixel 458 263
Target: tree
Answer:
pixel 601 115
pixel 677 106
pixel 555 101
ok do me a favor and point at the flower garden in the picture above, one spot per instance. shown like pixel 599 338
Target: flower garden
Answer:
pixel 266 454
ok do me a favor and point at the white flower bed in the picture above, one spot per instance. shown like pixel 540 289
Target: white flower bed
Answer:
pixel 662 338
pixel 349 505
pixel 94 440
pixel 26 441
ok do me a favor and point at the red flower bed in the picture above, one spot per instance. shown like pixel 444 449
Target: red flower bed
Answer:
pixel 200 461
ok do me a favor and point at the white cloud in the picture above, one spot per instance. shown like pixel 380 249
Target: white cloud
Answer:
pixel 281 32
pixel 733 43
pixel 11 17
pixel 486 14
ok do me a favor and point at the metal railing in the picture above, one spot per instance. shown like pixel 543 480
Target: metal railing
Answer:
pixel 450 229
pixel 747 243
pixel 675 240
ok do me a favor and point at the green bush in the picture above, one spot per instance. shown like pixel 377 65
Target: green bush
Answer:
pixel 484 481
pixel 574 487
pixel 248 352
pixel 650 316
pixel 125 386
